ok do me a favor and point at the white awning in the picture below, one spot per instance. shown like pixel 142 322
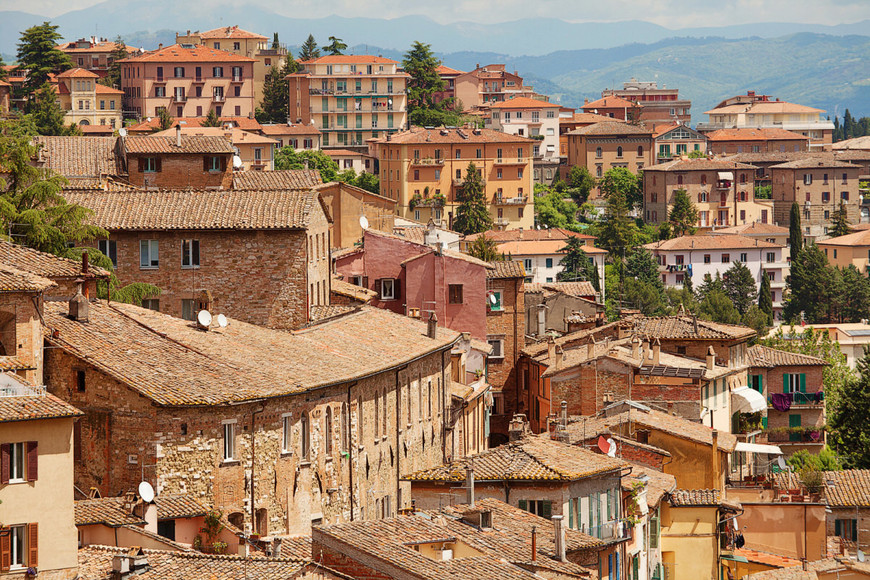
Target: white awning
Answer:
pixel 757 448
pixel 726 176
pixel 748 400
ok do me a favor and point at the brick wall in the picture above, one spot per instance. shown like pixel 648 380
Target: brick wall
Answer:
pixel 339 561
pixel 21 331
pixel 788 186
pixel 507 324
pixel 180 172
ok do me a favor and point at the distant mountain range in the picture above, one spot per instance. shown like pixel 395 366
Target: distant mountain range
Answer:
pixel 823 66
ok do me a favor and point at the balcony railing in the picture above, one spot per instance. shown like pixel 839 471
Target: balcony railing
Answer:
pixel 501 200
pixel 238 79
pixel 427 161
pixel 816 399
pixel 813 436
pixel 612 530
pixel 218 98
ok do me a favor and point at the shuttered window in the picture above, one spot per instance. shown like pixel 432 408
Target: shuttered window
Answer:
pixel 19 462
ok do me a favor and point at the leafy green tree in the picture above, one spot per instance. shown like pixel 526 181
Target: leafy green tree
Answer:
pixel 765 302
pixel 645 297
pixel 697 154
pixel 113 74
pixel 739 285
pixel 580 183
pixel 421 64
pixel 856 295
pixel 472 215
pixel 554 210
pixel 795 235
pixel 32 210
pixel 38 57
pixel 642 265
pixel 620 179
pixel 486 249
pixel 841 224
pixel 756 319
pixel 576 265
pixel 716 306
pixel 684 214
pixel 164 119
pixel 664 231
pixel 289 158
pixel 335 46
pixel 763 192
pixel 809 286
pixel 709 284
pixel 826 460
pixel 211 119
pixel 618 232
pixel 848 421
pixel 3 73
pixel 47 115
pixel 369 182
pixel 309 50
pixel 274 108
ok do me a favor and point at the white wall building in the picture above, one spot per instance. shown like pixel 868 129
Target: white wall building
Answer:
pixel 529 118
pixel 697 256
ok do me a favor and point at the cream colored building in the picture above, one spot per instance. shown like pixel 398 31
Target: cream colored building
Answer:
pixel 243 43
pixel 851 249
pixel 86 102
pixel 527 117
pixel 350 99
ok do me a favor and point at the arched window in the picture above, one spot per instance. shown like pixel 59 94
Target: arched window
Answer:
pixel 640 150
pixel 306 435
pixel 598 171
pixel 327 431
pixel 377 407
pixel 598 152
pixel 619 151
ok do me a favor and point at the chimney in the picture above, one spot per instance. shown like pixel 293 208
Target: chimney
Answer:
pixel 178 135
pixel 551 350
pixel 644 351
pixel 560 538
pixel 803 564
pixel 151 517
pixel 517 427
pixel 635 347
pixel 542 320
pixel 695 323
pixel 715 455
pixel 85 274
pixel 78 304
pixel 590 348
pixel 534 543
pixel 160 46
pixel 711 358
pixel 657 346
pixel 432 326
pixel 469 484
pixel 623 332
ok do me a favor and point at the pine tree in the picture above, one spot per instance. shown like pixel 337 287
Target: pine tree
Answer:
pixel 841 225
pixel 38 57
pixel 309 49
pixel 486 249
pixel 856 295
pixel 642 265
pixel 618 232
pixel 335 46
pixel 274 108
pixel 46 114
pixel 809 286
pixel 472 215
pixel 113 75
pixel 421 64
pixel 576 264
pixel 684 214
pixel 848 420
pixel 211 119
pixel 795 235
pixel 739 285
pixel 765 302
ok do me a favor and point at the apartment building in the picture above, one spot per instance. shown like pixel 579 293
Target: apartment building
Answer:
pixel 723 192
pixel 603 146
pixel 448 75
pixel 298 137
pixel 490 84
pixel 349 99
pixel 852 249
pixel 696 256
pixel 570 121
pixel 86 102
pixel 763 111
pixel 424 170
pixel 614 107
pixel 658 105
pixel 756 140
pixel 527 117
pixel 818 184
pixel 673 140
pixel 93 54
pixel 243 43
pixel 188 80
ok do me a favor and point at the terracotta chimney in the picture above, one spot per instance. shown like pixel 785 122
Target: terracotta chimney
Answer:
pixel 711 358
pixel 715 456
pixel 559 529
pixel 551 350
pixel 644 351
pixel 590 348
pixel 534 543
pixel 635 347
pixel 657 346
pixel 178 135
pixel 469 484
pixel 78 305
pixel 517 427
pixel 432 326
pixel 85 274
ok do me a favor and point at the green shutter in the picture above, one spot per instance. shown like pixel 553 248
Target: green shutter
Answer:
pixel 803 382
pixel 523 505
pixel 589 505
pixel 609 502
pixel 761 383
pixel 794 420
pixel 547 509
pixel 571 513
pixel 764 422
pixel 784 382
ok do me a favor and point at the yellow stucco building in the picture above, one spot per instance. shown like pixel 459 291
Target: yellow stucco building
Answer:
pixel 85 102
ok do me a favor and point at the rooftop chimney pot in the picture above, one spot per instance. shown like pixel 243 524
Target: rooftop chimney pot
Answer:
pixel 559 529
pixel 78 305
pixel 178 135
pixel 432 326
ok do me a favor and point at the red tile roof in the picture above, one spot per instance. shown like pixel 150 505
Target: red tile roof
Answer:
pixel 284 129
pixel 189 144
pixel 77 73
pixel 814 162
pixel 610 102
pixel 100 130
pixel 506 269
pixel 764 356
pixel 587 118
pixel 860 238
pixel 851 487
pixel 523 103
pixel 709 242
pixel 755 134
pixel 14 280
pixel 612 127
pixel 41 263
pixel 38 405
pixel 755 229
pixel 153 124
pixel 701 164
pixel 104 90
pixel 446 70
pixel 350 59
pixel 98 47
pixel 198 53
pixel 422 135
pixel 231 32
pixel 76 157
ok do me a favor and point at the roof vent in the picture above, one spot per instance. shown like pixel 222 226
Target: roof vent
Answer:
pixel 78 305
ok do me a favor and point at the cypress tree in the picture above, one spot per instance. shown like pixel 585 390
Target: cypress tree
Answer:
pixel 795 236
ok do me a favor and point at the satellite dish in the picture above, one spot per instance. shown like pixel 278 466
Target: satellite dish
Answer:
pixel 122 132
pixel 492 299
pixel 222 321
pixel 203 318
pixel 237 162
pixel 780 462
pixel 860 556
pixel 363 222
pixel 612 451
pixel 146 492
pixel 603 445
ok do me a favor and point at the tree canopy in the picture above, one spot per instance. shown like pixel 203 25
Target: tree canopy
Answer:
pixel 46 114
pixel 576 265
pixel 335 47
pixel 472 214
pixel 309 50
pixel 486 249
pixel 739 285
pixel 684 214
pixel 113 74
pixel 841 223
pixel 553 209
pixel 421 64
pixel 795 235
pixel 38 56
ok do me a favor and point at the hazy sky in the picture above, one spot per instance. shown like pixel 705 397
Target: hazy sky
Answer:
pixel 669 13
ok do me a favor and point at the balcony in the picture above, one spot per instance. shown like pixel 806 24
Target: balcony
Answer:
pixel 427 161
pixel 218 98
pixel 805 400
pixel 198 80
pixel 723 184
pixel 179 98
pixel 609 531
pixel 160 80
pixel 502 221
pixel 236 80
pixel 775 265
pixel 501 200
pixel 797 436
pixel 511 161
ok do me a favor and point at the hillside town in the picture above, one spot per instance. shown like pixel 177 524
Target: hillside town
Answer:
pixel 337 316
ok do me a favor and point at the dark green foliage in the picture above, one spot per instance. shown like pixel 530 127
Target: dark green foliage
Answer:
pixel 309 50
pixel 855 302
pixel 684 214
pixel 580 182
pixel 289 158
pixel 421 64
pixel 335 46
pixel 826 460
pixel 763 192
pixel 841 225
pixel 164 119
pixel 716 306
pixel 848 422
pixel 620 179
pixel 554 210
pixel 641 265
pixel 765 302
pixel 46 114
pixel 472 215
pixel 645 297
pixel 211 119
pixel 484 248
pixel 113 74
pixel 618 232
pixel 133 293
pixel 710 284
pixel 739 285
pixel 795 235
pixel 274 108
pixel 577 265
pixel 812 287
pixel 38 57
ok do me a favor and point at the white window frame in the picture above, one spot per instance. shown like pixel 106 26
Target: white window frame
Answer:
pixel 497 348
pixel 287 433
pixel 147 248
pixel 18 545
pixel 391 295
pixel 189 251
pixel 109 248
pixel 229 440
pixel 794 382
pixel 17 463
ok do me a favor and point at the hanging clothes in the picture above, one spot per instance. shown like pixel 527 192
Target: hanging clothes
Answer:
pixel 781 401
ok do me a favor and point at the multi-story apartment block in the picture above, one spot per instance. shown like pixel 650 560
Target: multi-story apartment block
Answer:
pixel 188 81
pixel 603 146
pixel 756 140
pixel 675 140
pixel 568 121
pixel 818 185
pixel 696 256
pixel 614 107
pixel 448 75
pixel 849 250
pixel 243 43
pixel 658 105
pixel 490 84
pixel 93 54
pixel 350 99
pixel 723 192
pixel 761 111
pixel 530 118
pixel 424 171
pixel 87 102
pixel 298 137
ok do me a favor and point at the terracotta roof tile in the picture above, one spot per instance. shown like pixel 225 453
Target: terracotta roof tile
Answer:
pixel 764 356
pixel 855 240
pixel 422 135
pixel 231 32
pixel 506 269
pixel 755 134
pixel 578 289
pixel 610 102
pixel 236 136
pixel 754 229
pixel 587 118
pixel 15 280
pixel 446 70
pixel 350 59
pixel 614 128
pixel 13 363
pixel 685 327
pixel 352 291
pixel 293 179
pixel 102 46
pixel 540 248
pixel 523 103
pixel 34 403
pixel 658 483
pixel 42 264
pixel 701 164
pixel 77 73
pixel 242 361
pixel 284 129
pixel 76 157
pixel 190 144
pixel 851 487
pixel 296 547
pixel 695 497
pixel 197 53
pixel 528 235
pixel 192 209
pixel 97 130
pixel 321 313
pixel 766 558
pixel 814 162
pixel 108 511
pixel 710 242
pixel 531 459
pixel 763 107
pixel 153 124
pixel 170 507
